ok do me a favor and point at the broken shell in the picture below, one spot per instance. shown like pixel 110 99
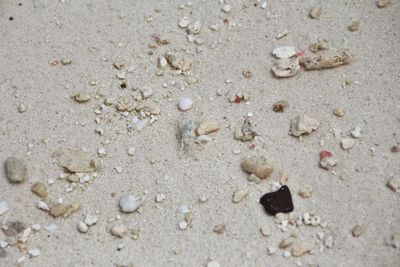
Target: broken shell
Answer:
pixel 284 52
pixel 258 166
pixel 303 124
pixel 239 195
pixel 207 126
pixel 286 67
pixel 130 203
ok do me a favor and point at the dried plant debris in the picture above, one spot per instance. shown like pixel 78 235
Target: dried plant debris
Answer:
pixel 16 170
pixel 186 134
pixel 279 201
pixel 327 60
pixel 247 133
pixel 258 166
pixel 76 160
pixel 319 46
pixel 280 106
pixel 303 124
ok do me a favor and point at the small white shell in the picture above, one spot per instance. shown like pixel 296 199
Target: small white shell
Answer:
pixel 185 104
pixel 130 203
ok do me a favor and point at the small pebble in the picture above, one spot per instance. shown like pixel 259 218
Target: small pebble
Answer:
pixel 315 12
pixel 219 229
pixel 356 132
pixel 226 8
pixel 382 3
pixel 101 152
pixel 239 195
pixel 354 26
pixel 130 203
pixel 284 52
pixel 34 252
pixel 185 104
pixel 264 5
pixel 118 230
pixel 258 166
pixel 266 230
pixel 184 22
pixel 287 254
pixel 81 97
pixel 160 198
pixel 146 92
pixel 280 106
pixel 303 124
pixel 40 189
pixel 393 184
pixel 82 227
pixel 131 151
pixel 21 108
pixel 162 62
pixel 301 248
pixel 207 127
pixel 347 143
pixel 42 205
pixel 279 201
pixel 358 230
pixel 183 225
pixel 90 220
pixel 287 242
pixel 340 112
pixel 16 170
pixel 271 250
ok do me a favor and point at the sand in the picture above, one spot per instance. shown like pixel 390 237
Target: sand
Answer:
pixel 94 34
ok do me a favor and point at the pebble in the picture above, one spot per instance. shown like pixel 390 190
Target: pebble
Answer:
pixel 101 152
pixel 356 132
pixel 131 151
pixel 303 124
pixel 130 203
pixel 40 189
pixel 328 162
pixel 358 230
pixel 118 169
pixel 213 264
pixel 279 201
pixel 21 108
pixel 16 170
pixel 3 207
pixel 226 8
pixel 160 198
pixel 301 248
pixel 287 254
pixel 162 62
pixel 395 149
pixel 382 3
pixel 34 252
pixel 194 28
pixel 58 210
pixel 284 52
pixel 347 143
pixel 239 195
pixel 184 22
pixel 263 5
pixel 354 26
pixel 306 190
pixel 207 127
pixel 81 97
pixel 185 104
pixel 82 227
pixel 146 92
pixel 42 205
pixel 51 227
pixel 90 220
pixel 339 111
pixel 258 166
pixel 219 229
pixel 271 250
pixel 393 184
pixel 266 230
pixel 315 12
pixel 287 242
pixel 36 227
pixel 183 225
pixel 280 106
pixel 118 230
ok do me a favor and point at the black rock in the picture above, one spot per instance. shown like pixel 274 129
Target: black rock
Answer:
pixel 279 201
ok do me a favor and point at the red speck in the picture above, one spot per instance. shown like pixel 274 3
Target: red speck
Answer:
pixel 301 53
pixel 325 154
pixel 238 99
pixel 226 21
pixel 395 149
pixel 252 146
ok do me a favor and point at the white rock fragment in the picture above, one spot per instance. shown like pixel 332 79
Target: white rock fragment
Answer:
pixel 146 92
pixel 239 195
pixel 271 250
pixel 139 124
pixel 226 8
pixel 266 230
pixel 328 241
pixel 118 169
pixel 160 198
pixel 394 184
pixel 306 190
pixel 356 132
pixel 131 151
pixel 90 220
pixel 82 227
pixel 101 152
pixel 194 28
pixel 287 254
pixel 36 227
pixel 3 244
pixel 284 52
pixel 3 207
pixel 185 104
pixel 130 203
pixel 183 225
pixel 162 62
pixel 264 5
pixel 303 124
pixel 51 227
pixel 347 143
pixel 184 22
pixel 42 205
pixel 213 264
